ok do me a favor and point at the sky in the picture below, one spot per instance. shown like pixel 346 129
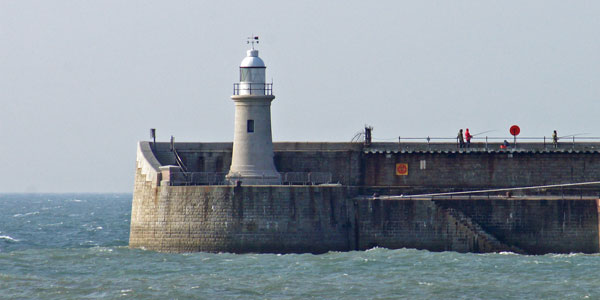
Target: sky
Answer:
pixel 81 82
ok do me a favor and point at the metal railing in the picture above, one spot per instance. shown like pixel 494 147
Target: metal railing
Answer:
pixel 198 178
pixel 253 88
pixel 544 141
pixel 573 190
pixel 219 178
pixel 306 178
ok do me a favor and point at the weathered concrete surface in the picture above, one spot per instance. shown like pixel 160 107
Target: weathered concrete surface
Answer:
pixel 533 226
pixel 317 219
pixel 536 225
pixel 428 170
pixel 481 169
pixel 278 219
pixel 421 224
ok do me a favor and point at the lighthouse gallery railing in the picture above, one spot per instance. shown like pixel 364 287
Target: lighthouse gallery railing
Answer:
pixel 249 88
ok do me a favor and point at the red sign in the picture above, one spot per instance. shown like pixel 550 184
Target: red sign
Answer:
pixel 515 130
pixel 401 169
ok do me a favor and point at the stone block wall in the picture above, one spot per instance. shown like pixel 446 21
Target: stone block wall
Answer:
pixel 277 219
pixel 470 170
pixel 349 165
pixel 420 224
pixel 197 157
pixel 316 219
pixel 480 225
pixel 343 165
pixel 342 160
pixel 534 225
pixel 284 219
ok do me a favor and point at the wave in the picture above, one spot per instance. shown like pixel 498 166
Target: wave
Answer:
pixel 26 214
pixel 572 254
pixel 507 253
pixel 8 238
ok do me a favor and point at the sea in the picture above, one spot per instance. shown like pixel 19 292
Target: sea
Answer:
pixel 74 246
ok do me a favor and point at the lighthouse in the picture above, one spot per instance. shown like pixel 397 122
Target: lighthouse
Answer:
pixel 252 157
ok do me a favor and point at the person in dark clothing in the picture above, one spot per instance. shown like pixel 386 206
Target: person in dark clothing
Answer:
pixel 461 141
pixel 555 139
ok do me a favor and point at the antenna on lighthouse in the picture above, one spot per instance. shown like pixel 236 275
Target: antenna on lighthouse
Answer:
pixel 252 40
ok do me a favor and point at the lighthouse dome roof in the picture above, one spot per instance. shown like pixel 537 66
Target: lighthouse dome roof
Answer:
pixel 252 60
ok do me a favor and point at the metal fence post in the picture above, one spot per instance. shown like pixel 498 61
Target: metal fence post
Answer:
pixel 544 142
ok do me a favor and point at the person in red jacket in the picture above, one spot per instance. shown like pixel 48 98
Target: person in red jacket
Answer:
pixel 468 137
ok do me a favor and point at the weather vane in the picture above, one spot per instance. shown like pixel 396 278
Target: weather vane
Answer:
pixel 252 40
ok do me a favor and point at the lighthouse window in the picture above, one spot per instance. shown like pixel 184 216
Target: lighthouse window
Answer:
pixel 245 74
pixel 250 125
pixel 252 74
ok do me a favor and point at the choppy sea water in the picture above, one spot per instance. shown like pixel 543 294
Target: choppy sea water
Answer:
pixel 74 246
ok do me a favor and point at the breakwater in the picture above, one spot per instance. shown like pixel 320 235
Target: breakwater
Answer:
pixel 343 214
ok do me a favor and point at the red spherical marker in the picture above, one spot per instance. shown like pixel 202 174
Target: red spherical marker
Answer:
pixel 515 130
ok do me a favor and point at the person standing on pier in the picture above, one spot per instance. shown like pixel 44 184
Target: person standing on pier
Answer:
pixel 461 141
pixel 468 137
pixel 555 139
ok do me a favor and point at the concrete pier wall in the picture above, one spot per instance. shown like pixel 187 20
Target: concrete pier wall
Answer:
pixel 284 219
pixel 342 160
pixel 276 219
pixel 317 219
pixel 472 170
pixel 536 225
pixel 532 226
pixel 375 166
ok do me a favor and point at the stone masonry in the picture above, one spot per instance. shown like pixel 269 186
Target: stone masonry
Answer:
pixel 339 217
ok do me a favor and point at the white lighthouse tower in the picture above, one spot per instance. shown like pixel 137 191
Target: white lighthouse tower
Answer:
pixel 252 158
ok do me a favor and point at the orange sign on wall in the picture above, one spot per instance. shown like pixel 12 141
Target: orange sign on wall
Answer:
pixel 401 169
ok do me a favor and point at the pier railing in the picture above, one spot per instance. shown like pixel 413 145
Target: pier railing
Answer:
pixel 582 190
pixel 487 142
pixel 198 178
pixel 304 178
pixel 219 178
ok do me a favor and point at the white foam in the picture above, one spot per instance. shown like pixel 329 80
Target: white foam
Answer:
pixel 26 214
pixel 8 238
pixel 566 254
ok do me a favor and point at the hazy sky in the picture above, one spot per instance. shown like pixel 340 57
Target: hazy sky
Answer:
pixel 82 81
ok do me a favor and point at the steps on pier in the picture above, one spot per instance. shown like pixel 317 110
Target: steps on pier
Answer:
pixel 476 238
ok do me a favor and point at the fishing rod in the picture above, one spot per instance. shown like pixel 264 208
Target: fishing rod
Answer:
pixel 357 137
pixel 483 132
pixel 570 135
